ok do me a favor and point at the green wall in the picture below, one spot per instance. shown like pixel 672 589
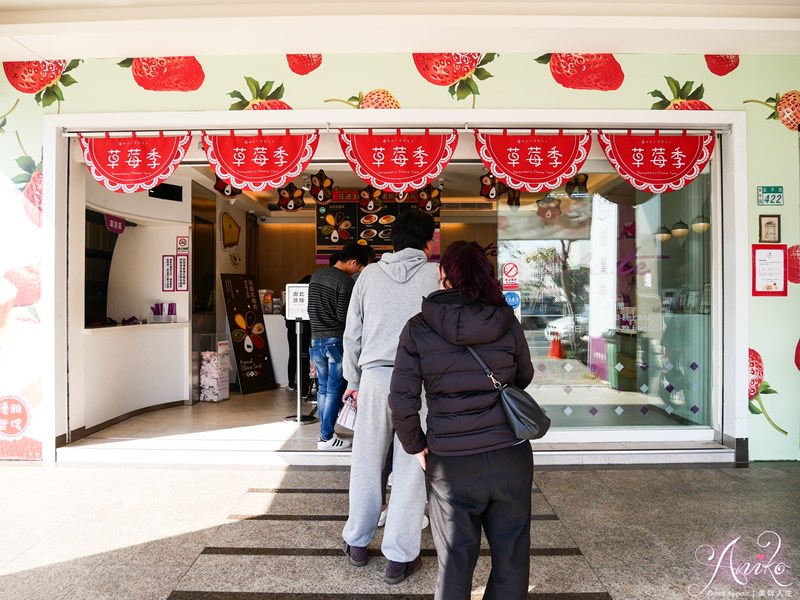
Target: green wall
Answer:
pixel 515 81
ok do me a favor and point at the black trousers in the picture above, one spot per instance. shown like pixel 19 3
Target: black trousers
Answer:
pixel 489 491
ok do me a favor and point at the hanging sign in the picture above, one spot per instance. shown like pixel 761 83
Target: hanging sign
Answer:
pixel 115 224
pixel 133 164
pixel 258 162
pixel 398 162
pixel 657 163
pixel 533 163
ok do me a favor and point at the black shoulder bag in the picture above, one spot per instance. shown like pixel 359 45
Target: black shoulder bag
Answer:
pixel 525 417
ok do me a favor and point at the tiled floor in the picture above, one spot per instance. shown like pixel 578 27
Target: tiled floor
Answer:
pixel 252 430
pixel 86 532
pixel 236 504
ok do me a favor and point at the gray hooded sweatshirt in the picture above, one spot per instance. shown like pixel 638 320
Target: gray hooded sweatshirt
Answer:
pixel 386 295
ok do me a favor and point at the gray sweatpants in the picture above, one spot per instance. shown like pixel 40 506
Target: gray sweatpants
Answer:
pixel 373 434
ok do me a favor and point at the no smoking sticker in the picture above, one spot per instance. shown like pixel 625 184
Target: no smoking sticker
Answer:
pixel 510 276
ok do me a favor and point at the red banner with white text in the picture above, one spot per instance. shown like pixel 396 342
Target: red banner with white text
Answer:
pixel 398 162
pixel 657 163
pixel 133 164
pixel 533 163
pixel 259 162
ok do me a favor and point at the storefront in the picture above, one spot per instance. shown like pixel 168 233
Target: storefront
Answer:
pixel 660 379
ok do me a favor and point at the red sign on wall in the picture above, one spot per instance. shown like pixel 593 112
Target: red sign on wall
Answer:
pixel 533 162
pixel 658 163
pixel 259 162
pixel 398 162
pixel 133 164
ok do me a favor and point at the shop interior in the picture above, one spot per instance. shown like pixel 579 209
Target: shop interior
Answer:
pixel 231 231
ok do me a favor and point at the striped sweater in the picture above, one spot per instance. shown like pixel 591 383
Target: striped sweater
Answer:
pixel 328 298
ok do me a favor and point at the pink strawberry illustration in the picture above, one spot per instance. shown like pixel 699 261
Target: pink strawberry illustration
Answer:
pixel 757 386
pixel 28 283
pixel 263 97
pixel 30 183
pixel 41 77
pixel 378 98
pixel 166 73
pixel 793 266
pixel 721 64
pixel 684 97
pixel 785 108
pixel 584 71
pixel 303 64
pixel 458 70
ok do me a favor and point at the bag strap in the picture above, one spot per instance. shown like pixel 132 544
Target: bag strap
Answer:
pixel 485 367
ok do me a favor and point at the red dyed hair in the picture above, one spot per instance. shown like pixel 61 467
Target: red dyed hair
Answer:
pixel 467 269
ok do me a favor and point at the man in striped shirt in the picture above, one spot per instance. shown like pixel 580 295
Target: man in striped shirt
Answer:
pixel 328 298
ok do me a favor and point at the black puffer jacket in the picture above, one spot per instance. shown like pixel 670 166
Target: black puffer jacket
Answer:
pixel 464 411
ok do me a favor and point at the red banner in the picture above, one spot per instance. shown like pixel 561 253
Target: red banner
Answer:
pixel 133 164
pixel 258 162
pixel 398 162
pixel 657 163
pixel 533 163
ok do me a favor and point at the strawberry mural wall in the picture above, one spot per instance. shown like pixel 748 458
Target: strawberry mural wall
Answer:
pixel 767 88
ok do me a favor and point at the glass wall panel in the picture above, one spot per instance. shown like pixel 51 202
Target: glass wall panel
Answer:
pixel 615 300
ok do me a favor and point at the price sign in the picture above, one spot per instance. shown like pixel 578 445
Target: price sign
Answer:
pixel 770 195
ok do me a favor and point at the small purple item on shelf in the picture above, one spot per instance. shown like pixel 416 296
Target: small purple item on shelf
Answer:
pixel 172 309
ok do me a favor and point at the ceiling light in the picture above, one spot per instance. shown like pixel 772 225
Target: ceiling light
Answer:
pixel 701 224
pixel 680 229
pixel 663 234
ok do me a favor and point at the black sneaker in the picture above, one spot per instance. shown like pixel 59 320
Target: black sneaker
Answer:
pixel 357 555
pixel 399 571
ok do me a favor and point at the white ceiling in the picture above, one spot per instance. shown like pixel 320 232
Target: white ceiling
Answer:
pixel 48 29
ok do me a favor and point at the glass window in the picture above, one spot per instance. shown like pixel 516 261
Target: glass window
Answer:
pixel 615 300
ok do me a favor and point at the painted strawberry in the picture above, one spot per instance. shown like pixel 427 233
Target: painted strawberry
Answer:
pixel 41 77
pixel 458 70
pixel 30 183
pixel 166 73
pixel 263 97
pixel 303 64
pixel 786 108
pixel 721 64
pixel 28 283
pixel 684 97
pixel 757 386
pixel 378 98
pixel 797 355
pixel 584 71
pixel 793 264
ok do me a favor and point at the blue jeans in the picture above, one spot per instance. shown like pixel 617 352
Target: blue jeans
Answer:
pixel 327 354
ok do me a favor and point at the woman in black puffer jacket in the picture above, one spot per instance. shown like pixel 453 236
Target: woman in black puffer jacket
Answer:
pixel 478 474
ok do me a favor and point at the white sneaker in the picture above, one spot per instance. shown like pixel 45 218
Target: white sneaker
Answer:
pixel 425 521
pixel 335 443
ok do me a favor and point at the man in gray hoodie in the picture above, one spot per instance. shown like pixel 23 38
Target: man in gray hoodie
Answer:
pixel 386 295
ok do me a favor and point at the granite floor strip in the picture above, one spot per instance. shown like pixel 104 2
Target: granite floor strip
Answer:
pixel 198 595
pixel 254 551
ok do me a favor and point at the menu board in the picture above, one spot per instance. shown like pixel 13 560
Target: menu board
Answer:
pixel 358 215
pixel 248 333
